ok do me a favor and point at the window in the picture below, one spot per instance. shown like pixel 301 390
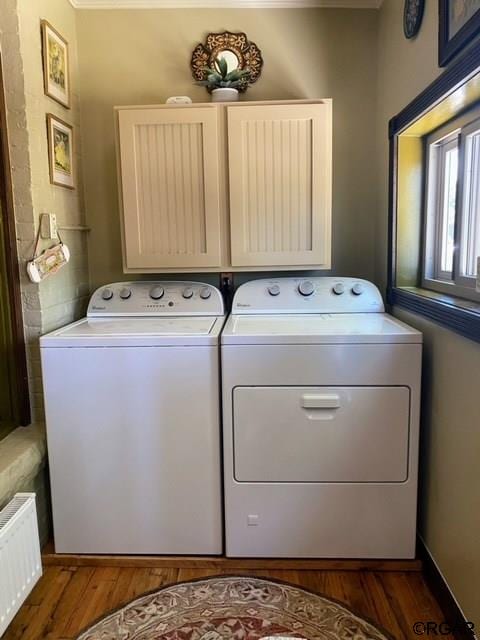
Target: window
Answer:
pixel 433 234
pixel 452 220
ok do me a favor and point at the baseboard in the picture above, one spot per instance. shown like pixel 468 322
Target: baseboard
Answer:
pixel 221 563
pixel 451 610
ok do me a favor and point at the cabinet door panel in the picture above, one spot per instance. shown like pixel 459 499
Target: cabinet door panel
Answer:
pixel 280 184
pixel 170 187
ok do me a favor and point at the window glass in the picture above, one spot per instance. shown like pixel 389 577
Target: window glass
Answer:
pixel 448 214
pixel 451 247
pixel 471 206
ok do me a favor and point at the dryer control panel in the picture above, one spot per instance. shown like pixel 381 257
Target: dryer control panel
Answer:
pixel 308 295
pixel 152 298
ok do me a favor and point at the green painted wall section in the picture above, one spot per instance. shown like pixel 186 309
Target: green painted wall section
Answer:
pixel 142 57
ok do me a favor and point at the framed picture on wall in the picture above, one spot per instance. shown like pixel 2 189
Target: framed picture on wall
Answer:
pixel 60 152
pixel 459 24
pixel 56 65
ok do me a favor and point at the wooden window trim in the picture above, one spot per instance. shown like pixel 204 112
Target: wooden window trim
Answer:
pixel 455 90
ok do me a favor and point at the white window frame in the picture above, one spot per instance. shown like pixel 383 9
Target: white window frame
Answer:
pixel 436 146
pixel 467 196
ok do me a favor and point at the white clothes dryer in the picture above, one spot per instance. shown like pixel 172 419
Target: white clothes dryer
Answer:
pixel 133 424
pixel 321 397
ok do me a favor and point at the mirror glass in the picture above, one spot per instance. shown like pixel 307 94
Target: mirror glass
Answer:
pixel 235 49
pixel 231 59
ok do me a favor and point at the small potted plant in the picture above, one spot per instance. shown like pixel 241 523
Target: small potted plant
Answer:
pixel 222 83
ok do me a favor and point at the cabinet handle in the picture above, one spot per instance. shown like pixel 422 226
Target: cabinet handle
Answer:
pixel 331 401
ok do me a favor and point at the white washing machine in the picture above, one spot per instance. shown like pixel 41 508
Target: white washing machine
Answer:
pixel 133 425
pixel 321 394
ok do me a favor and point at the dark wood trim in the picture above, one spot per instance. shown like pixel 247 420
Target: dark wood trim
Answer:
pixel 13 274
pixel 458 73
pixel 448 47
pixel 454 616
pixel 50 558
pixel 449 315
pixel 446 313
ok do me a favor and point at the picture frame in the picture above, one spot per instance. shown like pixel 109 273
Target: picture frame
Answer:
pixel 459 25
pixel 56 64
pixel 239 52
pixel 60 152
pixel 413 11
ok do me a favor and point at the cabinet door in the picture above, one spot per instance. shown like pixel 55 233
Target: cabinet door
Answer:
pixel 280 159
pixel 170 187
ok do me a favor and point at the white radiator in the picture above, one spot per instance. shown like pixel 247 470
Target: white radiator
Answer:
pixel 20 560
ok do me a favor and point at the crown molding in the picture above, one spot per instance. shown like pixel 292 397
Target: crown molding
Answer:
pixel 226 4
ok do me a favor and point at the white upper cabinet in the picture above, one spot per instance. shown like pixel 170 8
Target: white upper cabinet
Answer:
pixel 237 186
pixel 170 187
pixel 280 184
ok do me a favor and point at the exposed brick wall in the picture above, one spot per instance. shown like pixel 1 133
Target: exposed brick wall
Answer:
pixel 62 297
pixel 21 177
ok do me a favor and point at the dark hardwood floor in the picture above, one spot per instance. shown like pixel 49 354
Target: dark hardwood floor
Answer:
pixel 69 598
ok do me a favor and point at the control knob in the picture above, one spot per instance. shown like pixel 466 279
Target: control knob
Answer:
pixel 357 289
pixel 187 293
pixel 156 292
pixel 274 290
pixel 107 294
pixel 306 288
pixel 125 293
pixel 338 288
pixel 205 293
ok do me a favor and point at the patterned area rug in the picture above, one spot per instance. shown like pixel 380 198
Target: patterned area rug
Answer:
pixel 232 608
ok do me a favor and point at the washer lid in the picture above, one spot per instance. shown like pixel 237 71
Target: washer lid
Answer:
pixel 324 328
pixel 159 331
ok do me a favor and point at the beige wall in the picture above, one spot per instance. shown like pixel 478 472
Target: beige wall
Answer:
pixel 135 57
pixel 61 298
pixel 15 98
pixel 450 490
pixel 405 68
pixel 142 57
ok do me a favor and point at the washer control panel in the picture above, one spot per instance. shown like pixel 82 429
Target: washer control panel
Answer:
pixel 308 295
pixel 169 298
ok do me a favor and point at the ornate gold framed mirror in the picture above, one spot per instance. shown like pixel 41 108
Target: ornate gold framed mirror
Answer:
pixel 235 49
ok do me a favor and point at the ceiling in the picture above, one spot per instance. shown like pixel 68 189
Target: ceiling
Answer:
pixel 225 4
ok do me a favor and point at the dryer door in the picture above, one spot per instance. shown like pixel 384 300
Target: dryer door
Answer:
pixel 321 434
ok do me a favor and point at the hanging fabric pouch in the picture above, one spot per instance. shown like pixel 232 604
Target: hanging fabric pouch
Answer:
pixel 48 262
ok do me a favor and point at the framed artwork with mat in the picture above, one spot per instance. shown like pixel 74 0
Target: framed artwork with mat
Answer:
pixel 459 26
